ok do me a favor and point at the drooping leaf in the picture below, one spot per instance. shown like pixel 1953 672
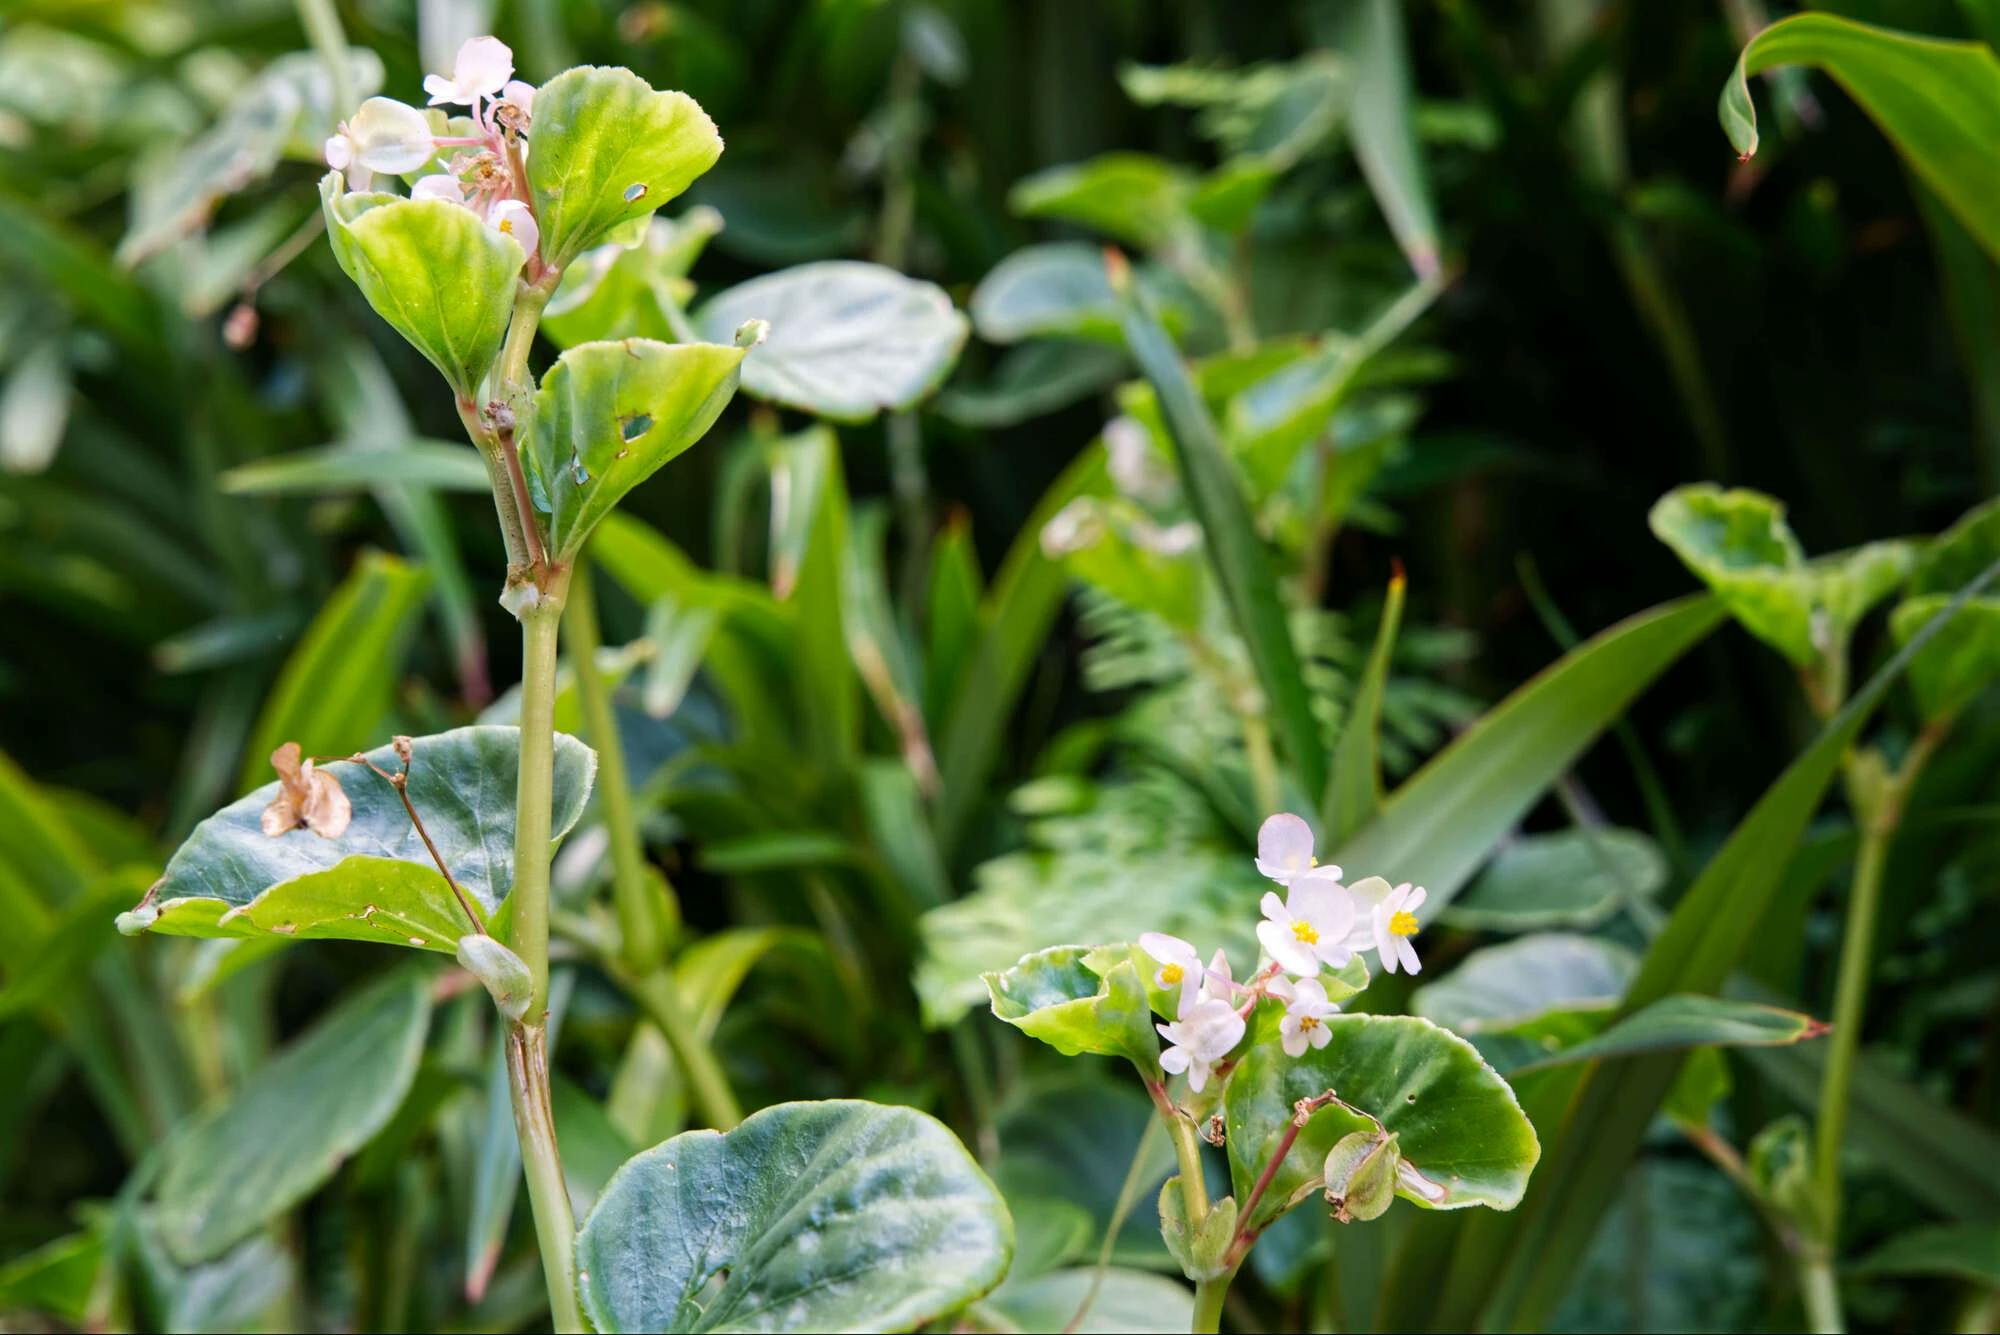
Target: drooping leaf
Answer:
pixel 334 692
pixel 1688 1021
pixel 433 270
pixel 848 339
pixel 1737 541
pixel 1125 1300
pixel 1079 999
pixel 1572 878
pixel 339 468
pixel 1938 101
pixel 1442 823
pixel 1381 114
pixel 1456 1122
pixel 609 149
pixel 1354 792
pixel 376 882
pixel 287 1128
pixel 609 415
pixel 840 1215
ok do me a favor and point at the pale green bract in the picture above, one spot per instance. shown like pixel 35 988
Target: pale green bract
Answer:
pixel 841 1215
pixel 609 415
pixel 375 882
pixel 433 270
pixel 609 149
pixel 848 339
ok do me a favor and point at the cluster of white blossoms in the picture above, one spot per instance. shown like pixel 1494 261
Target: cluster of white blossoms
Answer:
pixel 1320 924
pixel 488 176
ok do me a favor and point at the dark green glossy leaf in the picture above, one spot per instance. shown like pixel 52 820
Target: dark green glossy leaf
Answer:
pixel 1970 1252
pixel 288 1127
pixel 840 1215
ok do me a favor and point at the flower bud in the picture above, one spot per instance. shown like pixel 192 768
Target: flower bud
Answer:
pixel 1361 1175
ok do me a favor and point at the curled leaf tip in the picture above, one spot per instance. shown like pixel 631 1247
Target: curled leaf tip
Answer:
pixel 1117 269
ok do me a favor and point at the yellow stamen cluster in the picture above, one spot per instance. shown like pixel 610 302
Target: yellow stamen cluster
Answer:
pixel 1307 1024
pixel 1307 933
pixel 1403 923
pixel 1171 974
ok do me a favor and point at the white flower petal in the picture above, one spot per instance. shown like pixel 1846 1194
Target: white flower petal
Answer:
pixel 443 92
pixel 1174 1060
pixel 1167 949
pixel 520 94
pixel 1310 994
pixel 339 152
pixel 439 185
pixel 1284 846
pixel 1287 950
pixel 510 217
pixel 390 137
pixel 1292 1038
pixel 1320 1036
pixel 483 66
pixel 1408 954
pixel 1197 1076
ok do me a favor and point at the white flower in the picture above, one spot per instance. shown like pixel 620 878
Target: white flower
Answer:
pixel 1306 1009
pixel 1202 1037
pixel 510 217
pixel 1180 966
pixel 519 94
pixel 1218 984
pixel 1309 928
pixel 483 66
pixel 440 185
pixel 1285 851
pixel 384 136
pixel 1394 922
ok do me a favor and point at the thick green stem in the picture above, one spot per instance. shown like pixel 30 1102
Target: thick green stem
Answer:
pixel 1187 1150
pixel 1820 1291
pixel 1208 1296
pixel 535 1125
pixel 659 996
pixel 642 916
pixel 530 895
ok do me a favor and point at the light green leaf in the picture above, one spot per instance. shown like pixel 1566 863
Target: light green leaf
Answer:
pixel 1382 123
pixel 848 339
pixel 1737 541
pixel 1442 823
pixel 433 270
pixel 840 1215
pixel 1131 197
pixel 1938 101
pixel 631 291
pixel 1456 1122
pixel 1080 999
pixel 34 407
pixel 1113 544
pixel 1354 792
pixel 1572 878
pixel 55 1279
pixel 1964 655
pixel 335 690
pixel 375 882
pixel 1059 290
pixel 341 468
pixel 607 150
pixel 1533 987
pixel 288 1126
pixel 1126 1301
pixel 1970 1252
pixel 1688 1021
pixel 609 415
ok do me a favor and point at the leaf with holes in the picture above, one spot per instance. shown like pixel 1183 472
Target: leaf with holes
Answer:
pixel 848 340
pixel 609 415
pixel 609 149
pixel 375 882
pixel 1457 1124
pixel 840 1215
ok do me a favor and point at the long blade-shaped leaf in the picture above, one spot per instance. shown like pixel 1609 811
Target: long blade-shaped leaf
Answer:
pixel 1355 792
pixel 1242 566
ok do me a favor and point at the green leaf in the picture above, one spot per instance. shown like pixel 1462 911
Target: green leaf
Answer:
pixel 1127 1300
pixel 1688 1021
pixel 433 270
pixel 1113 544
pixel 1442 823
pixel 1059 290
pixel 1737 541
pixel 56 1279
pixel 1242 565
pixel 335 690
pixel 1131 197
pixel 1079 999
pixel 1354 794
pixel 1970 1252
pixel 631 291
pixel 1456 1122
pixel 375 882
pixel 848 339
pixel 1381 113
pixel 609 415
pixel 607 150
pixel 1033 380
pixel 1572 878
pixel 1964 655
pixel 289 1125
pixel 1938 101
pixel 1533 987
pixel 840 1215
pixel 342 468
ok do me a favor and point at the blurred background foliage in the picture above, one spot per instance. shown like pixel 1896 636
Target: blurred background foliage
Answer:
pixel 1623 307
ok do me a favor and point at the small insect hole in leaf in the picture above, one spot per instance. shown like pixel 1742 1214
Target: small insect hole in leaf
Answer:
pixel 635 426
pixel 635 192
